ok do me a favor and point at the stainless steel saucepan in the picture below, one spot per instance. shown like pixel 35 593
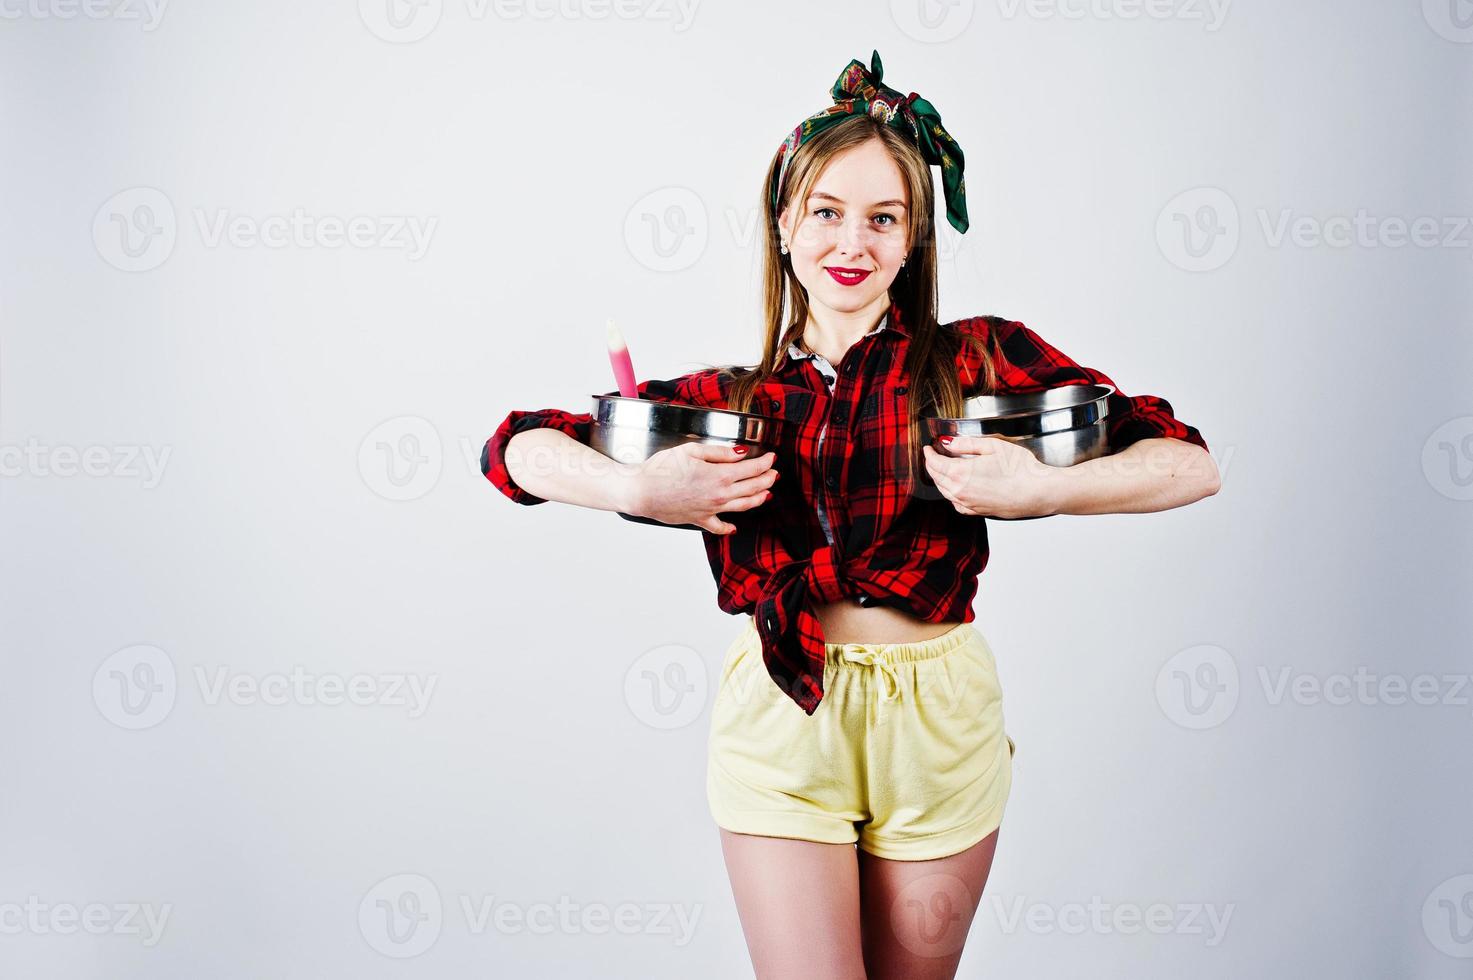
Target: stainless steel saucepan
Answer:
pixel 632 430
pixel 1060 426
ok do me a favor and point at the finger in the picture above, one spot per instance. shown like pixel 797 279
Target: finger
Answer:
pixel 946 483
pixel 937 462
pixel 716 525
pixel 756 484
pixel 940 479
pixel 736 466
pixel 748 502
pixel 714 452
pixel 747 468
pixel 972 444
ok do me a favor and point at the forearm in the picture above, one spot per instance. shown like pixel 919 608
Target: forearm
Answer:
pixel 1146 476
pixel 554 465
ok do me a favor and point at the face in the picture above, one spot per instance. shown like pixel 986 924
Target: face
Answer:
pixel 854 220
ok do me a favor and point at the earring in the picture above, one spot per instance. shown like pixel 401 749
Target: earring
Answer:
pixel 783 248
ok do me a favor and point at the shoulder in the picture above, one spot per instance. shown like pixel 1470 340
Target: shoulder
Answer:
pixel 988 328
pixel 1010 342
pixel 980 342
pixel 708 387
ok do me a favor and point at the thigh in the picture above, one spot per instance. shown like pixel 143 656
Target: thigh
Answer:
pixel 798 902
pixel 916 914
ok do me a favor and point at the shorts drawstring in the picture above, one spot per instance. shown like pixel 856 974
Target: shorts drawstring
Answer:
pixel 868 656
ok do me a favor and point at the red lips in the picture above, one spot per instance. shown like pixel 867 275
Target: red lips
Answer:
pixel 847 277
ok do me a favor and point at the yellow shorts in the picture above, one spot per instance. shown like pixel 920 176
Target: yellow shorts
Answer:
pixel 906 754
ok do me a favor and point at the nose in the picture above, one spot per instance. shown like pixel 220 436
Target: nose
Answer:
pixel 853 238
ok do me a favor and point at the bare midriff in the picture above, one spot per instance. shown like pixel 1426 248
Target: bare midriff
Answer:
pixel 846 621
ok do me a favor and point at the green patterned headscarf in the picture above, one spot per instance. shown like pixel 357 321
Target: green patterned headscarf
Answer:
pixel 859 92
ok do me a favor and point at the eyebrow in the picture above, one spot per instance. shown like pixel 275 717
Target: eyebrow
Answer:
pixel 878 204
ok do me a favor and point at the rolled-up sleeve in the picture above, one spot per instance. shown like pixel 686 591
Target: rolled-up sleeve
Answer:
pixel 1030 362
pixel 699 388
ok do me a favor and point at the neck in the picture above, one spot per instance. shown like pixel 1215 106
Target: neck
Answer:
pixel 832 332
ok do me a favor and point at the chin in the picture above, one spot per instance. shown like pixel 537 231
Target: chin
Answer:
pixel 847 301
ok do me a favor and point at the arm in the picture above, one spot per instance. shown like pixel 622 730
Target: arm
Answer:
pixel 543 463
pixel 568 468
pixel 1155 462
pixel 1149 475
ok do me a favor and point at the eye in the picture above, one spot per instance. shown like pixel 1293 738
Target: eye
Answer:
pixel 890 216
pixel 820 211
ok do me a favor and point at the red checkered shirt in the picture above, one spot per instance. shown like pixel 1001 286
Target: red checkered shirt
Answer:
pixel 837 526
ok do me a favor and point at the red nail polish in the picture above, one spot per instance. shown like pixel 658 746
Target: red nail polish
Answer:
pixel 741 450
pixel 946 440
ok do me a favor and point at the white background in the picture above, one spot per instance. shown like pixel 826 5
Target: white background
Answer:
pixel 317 411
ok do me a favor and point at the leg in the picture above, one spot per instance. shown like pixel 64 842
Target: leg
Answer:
pixel 798 902
pixel 940 772
pixel 916 914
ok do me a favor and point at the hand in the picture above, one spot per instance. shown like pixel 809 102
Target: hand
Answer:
pixel 693 482
pixel 995 478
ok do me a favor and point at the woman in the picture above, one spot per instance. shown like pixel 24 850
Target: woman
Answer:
pixel 859 706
